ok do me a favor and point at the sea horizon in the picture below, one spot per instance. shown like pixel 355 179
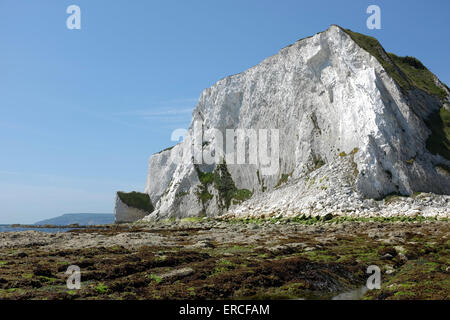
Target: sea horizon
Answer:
pixel 21 228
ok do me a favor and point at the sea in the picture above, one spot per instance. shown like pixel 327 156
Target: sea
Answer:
pixel 10 228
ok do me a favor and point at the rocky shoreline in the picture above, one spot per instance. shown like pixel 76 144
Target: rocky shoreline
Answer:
pixel 325 192
pixel 303 258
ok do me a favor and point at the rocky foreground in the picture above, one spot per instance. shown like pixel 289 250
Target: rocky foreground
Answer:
pixel 297 258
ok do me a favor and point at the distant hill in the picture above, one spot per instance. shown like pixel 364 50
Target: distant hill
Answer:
pixel 83 219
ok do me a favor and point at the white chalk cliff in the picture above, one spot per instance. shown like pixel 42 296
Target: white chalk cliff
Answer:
pixel 351 131
pixel 124 213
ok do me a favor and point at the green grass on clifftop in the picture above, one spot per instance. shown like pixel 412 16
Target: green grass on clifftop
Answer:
pixel 418 75
pixel 137 200
pixel 408 72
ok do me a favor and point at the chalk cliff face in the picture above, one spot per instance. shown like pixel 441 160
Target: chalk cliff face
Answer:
pixel 124 213
pixel 353 127
pixel 131 207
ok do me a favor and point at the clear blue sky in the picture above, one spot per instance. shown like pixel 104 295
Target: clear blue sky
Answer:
pixel 81 111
